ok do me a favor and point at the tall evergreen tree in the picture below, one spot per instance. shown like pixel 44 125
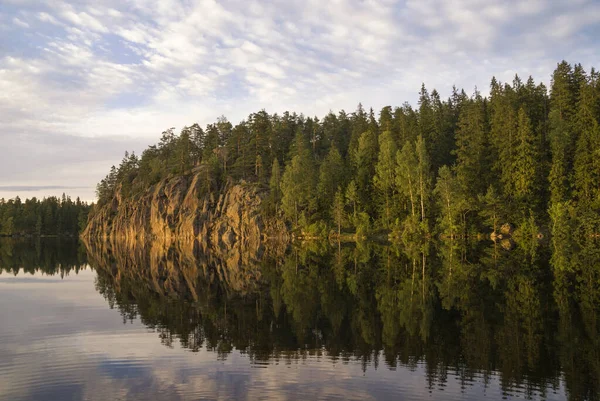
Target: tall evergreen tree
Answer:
pixel 385 174
pixel 407 176
pixel 275 184
pixel 472 168
pixel 525 164
pixel 363 159
pixel 331 176
pixel 297 184
pixel 562 104
pixel 587 153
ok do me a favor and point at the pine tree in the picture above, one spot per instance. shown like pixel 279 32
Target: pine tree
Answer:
pixel 525 164
pixel 197 137
pixel 337 211
pixel 443 141
pixel 587 155
pixel 261 141
pixel 385 174
pixel 562 101
pixel 423 172
pixel 331 176
pixel 363 159
pixel 407 175
pixel 275 184
pixel 471 148
pixel 503 135
pixel 450 200
pixel 183 152
pixel 353 199
pixel 491 206
pixel 297 183
pixel 211 142
pixel 359 124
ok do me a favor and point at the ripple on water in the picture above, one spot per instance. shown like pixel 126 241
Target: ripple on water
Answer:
pixel 72 348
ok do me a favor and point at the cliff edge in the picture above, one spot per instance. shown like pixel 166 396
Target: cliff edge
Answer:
pixel 179 208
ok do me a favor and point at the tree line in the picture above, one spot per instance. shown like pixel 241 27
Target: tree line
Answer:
pixel 49 216
pixel 523 155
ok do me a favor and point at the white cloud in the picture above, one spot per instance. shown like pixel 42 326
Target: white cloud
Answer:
pixel 20 23
pixel 45 17
pixel 84 20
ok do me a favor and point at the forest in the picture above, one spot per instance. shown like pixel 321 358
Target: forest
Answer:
pixel 525 154
pixel 49 216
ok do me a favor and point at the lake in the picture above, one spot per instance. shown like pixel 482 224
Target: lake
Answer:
pixel 434 321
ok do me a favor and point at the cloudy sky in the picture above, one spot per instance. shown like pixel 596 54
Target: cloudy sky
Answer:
pixel 81 81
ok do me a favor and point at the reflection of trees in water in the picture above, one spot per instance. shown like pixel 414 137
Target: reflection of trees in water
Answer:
pixel 527 316
pixel 468 310
pixel 47 255
pixel 471 309
pixel 577 294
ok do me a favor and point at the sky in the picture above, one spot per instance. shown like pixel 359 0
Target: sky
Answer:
pixel 82 81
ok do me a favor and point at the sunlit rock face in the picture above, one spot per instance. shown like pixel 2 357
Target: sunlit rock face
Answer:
pixel 180 208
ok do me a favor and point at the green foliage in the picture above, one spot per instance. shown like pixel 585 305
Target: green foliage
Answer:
pixel 49 216
pixel 363 161
pixel 496 158
pixel 491 209
pixel 385 175
pixel 318 229
pixel 526 234
pixel 332 174
pixel 587 153
pixel 525 165
pixel 337 210
pixel 297 183
pixel 363 225
pixel 471 149
pixel 450 201
pixel 407 175
pixel 352 199
pixel 561 223
pixel 275 186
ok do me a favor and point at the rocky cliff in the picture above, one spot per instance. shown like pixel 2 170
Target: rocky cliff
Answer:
pixel 178 208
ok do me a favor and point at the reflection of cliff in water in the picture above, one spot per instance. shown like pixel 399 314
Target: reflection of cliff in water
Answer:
pixel 476 312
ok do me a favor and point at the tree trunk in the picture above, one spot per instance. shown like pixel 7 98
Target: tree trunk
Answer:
pixel 422 191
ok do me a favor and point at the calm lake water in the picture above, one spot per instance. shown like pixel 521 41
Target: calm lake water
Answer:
pixel 438 321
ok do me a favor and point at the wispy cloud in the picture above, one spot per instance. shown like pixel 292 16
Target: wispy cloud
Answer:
pixel 133 68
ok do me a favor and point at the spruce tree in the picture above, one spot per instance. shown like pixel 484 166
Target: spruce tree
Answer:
pixel 297 183
pixel 472 168
pixel 525 164
pixel 385 175
pixel 275 185
pixel 587 155
pixel 331 176
pixel 562 104
pixel 337 211
pixel 407 176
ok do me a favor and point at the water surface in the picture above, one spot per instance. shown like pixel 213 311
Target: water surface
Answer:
pixel 437 322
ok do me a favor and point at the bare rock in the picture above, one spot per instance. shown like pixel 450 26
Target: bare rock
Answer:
pixel 177 208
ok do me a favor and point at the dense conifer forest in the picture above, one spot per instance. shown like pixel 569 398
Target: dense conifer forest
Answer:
pixel 49 216
pixel 526 154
